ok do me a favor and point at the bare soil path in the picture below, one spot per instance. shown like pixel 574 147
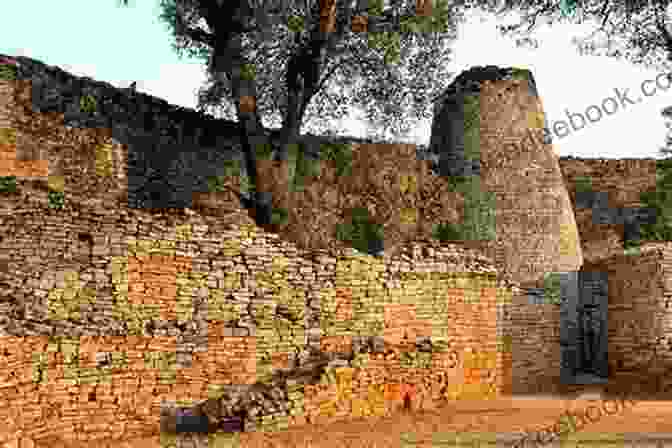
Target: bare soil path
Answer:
pixel 418 429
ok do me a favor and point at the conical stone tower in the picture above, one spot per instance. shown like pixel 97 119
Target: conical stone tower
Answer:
pixel 489 127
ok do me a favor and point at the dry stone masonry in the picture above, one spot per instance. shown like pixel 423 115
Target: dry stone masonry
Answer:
pixel 126 316
pixel 605 196
pixel 116 316
pixel 494 118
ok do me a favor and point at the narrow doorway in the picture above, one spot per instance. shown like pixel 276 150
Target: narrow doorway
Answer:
pixel 584 329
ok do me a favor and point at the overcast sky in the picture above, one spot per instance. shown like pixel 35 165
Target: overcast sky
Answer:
pixel 119 45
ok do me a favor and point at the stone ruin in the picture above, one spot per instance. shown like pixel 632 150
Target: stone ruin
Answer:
pixel 509 111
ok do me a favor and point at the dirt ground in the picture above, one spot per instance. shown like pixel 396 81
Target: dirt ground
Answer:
pixel 504 415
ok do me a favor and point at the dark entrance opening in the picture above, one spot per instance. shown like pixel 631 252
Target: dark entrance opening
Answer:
pixel 583 328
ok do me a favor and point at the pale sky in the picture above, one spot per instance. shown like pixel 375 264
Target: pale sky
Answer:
pixel 110 43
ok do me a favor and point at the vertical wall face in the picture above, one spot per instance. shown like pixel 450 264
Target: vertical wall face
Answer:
pixel 502 127
pixel 189 304
pixel 533 330
pixel 638 326
pixel 605 194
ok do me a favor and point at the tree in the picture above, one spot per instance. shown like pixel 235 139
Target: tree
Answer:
pixel 270 56
pixel 635 29
pixel 659 201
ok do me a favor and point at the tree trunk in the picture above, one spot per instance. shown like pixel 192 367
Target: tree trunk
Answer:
pixel 271 177
pixel 229 59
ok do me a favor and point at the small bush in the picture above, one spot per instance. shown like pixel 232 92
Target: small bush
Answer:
pixel 447 232
pixel 279 216
pixel 7 72
pixel 87 104
pixel 584 184
pixel 360 232
pixel 341 153
pixel 7 184
pixel 56 200
pixel 248 72
pixel 520 74
pixel 295 24
pixel 216 184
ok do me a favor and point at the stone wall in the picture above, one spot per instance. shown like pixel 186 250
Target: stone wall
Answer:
pixel 615 186
pixel 192 308
pixel 112 312
pixel 493 118
pixel 171 150
pixel 534 332
pixel 176 303
pixel 639 324
pixel 181 146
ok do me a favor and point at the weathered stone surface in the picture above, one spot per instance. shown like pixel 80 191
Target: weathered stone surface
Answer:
pixel 494 116
pixel 146 306
pixel 605 195
pixel 193 268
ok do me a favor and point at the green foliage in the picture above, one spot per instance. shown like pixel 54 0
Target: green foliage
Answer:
pixel 341 153
pixel 360 231
pixel 7 72
pixel 301 168
pixel 231 168
pixel 295 24
pixel 389 42
pixel 584 184
pixel 215 184
pixel 7 184
pixel 552 288
pixel 375 7
pixel 248 72
pixel 264 150
pixel 168 15
pixel 436 23
pixel 87 104
pixel 279 216
pixel 479 213
pixel 520 73
pixel 457 183
pixel 661 201
pixel 447 232
pixel 56 200
pixel 472 120
pixel 246 185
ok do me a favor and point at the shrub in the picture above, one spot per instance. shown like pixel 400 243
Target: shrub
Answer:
pixel 87 104
pixel 7 72
pixel 7 184
pixel 215 184
pixel 295 24
pixel 341 153
pixel 661 201
pixel 520 74
pixel 56 200
pixel 279 216
pixel 361 231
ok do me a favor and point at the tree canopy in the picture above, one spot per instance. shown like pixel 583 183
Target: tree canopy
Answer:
pixel 286 60
pixel 355 72
pixel 636 30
